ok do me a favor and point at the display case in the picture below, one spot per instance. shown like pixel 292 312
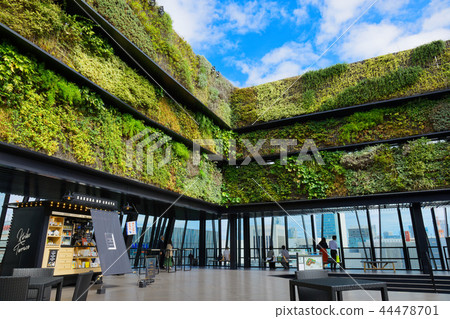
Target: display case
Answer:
pixel 62 236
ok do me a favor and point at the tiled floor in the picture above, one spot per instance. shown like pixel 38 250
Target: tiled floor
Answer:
pixel 220 284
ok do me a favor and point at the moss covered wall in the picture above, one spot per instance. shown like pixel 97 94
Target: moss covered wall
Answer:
pixel 154 35
pixel 74 41
pixel 423 69
pixel 417 165
pixel 43 112
pixel 414 118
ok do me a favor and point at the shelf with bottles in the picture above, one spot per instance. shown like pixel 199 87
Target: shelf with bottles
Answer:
pixel 85 252
pixel 56 222
pixel 86 263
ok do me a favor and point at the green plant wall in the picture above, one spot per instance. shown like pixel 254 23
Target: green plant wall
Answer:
pixel 41 111
pixel 420 70
pixel 417 165
pixel 414 118
pixel 74 41
pixel 153 34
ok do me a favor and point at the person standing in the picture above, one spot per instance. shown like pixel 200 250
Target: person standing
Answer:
pixel 168 255
pixel 271 258
pixel 333 252
pixel 322 246
pixel 161 248
pixel 226 254
pixel 284 257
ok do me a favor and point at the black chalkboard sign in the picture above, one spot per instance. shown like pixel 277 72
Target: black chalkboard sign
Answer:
pixel 150 270
pixel 52 258
pixel 25 239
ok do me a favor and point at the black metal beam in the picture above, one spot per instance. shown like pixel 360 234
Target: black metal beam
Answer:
pixel 202 242
pixel 313 233
pixel 361 235
pixel 4 211
pixel 141 241
pixel 232 223
pixel 444 135
pixel 420 234
pixel 340 112
pixel 246 222
pixel 405 248
pixel 295 207
pixel 373 255
pixel 438 239
pixel 263 243
pixel 18 164
pixel 341 241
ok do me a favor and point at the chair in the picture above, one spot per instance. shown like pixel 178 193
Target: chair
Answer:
pixel 310 294
pixel 82 286
pixel 35 272
pixel 14 288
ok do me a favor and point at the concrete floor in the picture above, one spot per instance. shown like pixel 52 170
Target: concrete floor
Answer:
pixel 220 284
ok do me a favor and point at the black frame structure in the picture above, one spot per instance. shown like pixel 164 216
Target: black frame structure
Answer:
pixel 32 174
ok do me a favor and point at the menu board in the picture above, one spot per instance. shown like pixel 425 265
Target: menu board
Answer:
pixel 52 257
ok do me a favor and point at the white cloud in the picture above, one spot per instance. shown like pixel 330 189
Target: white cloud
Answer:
pixel 289 60
pixel 253 16
pixel 195 20
pixel 370 40
pixel 390 7
pixel 335 13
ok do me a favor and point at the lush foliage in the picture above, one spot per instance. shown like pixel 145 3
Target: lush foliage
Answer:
pixel 42 111
pixel 413 118
pixel 425 54
pixel 74 41
pixel 406 73
pixel 154 35
pixel 417 165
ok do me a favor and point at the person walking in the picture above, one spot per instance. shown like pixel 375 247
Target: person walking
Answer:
pixel 322 246
pixel 271 258
pixel 333 252
pixel 284 257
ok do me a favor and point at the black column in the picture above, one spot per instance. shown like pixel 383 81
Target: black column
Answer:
pixel 141 241
pixel 263 242
pixel 202 242
pixel 129 238
pixel 232 225
pixel 3 211
pixel 405 247
pixel 313 233
pixel 246 221
pixel 341 241
pixel 286 232
pixel 372 243
pixel 420 235
pixel 438 240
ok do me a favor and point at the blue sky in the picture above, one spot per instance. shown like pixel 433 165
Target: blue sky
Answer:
pixel 253 42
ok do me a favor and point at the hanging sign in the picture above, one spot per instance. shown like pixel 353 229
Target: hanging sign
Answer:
pixel 131 228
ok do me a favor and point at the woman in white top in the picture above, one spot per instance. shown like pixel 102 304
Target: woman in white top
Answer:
pixel 169 255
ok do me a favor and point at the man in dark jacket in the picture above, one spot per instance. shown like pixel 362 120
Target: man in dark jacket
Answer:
pixel 161 252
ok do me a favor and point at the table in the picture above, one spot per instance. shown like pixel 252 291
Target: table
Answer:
pixel 383 264
pixel 336 285
pixel 40 283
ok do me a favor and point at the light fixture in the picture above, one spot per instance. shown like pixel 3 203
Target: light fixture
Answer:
pixel 152 3
pixel 127 207
pixel 161 11
pixel 217 74
pixel 213 69
pixel 67 197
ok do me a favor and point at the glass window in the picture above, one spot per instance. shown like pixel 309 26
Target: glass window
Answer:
pixel 432 238
pixel 391 239
pixel 191 239
pixel 410 237
pixel 355 238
